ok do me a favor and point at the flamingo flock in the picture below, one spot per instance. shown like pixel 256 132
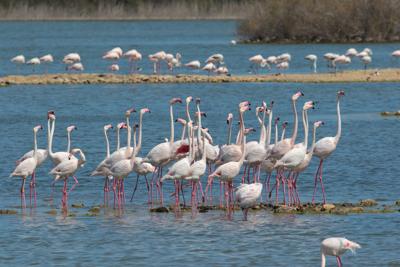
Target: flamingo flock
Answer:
pixel 213 65
pixel 194 158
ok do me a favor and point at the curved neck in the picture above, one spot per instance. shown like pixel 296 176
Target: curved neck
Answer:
pixel 69 141
pixel 228 141
pixel 118 142
pixel 296 122
pixel 339 122
pixel 204 155
pixel 107 144
pixel 198 125
pixel 323 260
pixel 171 117
pixel 82 158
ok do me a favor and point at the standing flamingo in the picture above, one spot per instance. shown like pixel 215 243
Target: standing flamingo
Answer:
pixel 18 60
pixel 161 154
pixel 76 67
pixel 247 196
pixel 46 59
pixel 336 246
pixel 257 62
pixel 133 57
pixel 27 167
pixel 33 61
pixel 157 58
pixel 194 65
pixel 325 147
pixel 68 168
pixel 313 60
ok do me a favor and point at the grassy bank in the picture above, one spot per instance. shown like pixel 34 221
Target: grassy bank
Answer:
pixel 387 75
pixel 322 21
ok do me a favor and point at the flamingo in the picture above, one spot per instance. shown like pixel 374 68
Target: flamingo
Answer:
pixel 33 61
pixel 209 67
pixel 216 59
pixel 284 125
pixel 172 61
pixel 194 65
pixel 57 157
pixel 181 168
pixel 116 50
pixel 228 171
pixel 366 60
pixel 365 52
pixel 161 154
pixel 257 62
pixel 268 164
pixel 76 67
pixel 111 55
pixel 396 54
pixel 285 57
pixel 71 58
pixel 313 60
pixel 325 147
pixel 342 59
pixel 336 246
pixel 330 57
pixel 133 56
pixel 272 60
pixel 283 65
pixel 294 156
pixel 20 59
pixel 67 168
pixel 100 170
pixel 28 166
pixel 247 196
pixel 156 59
pixel 222 70
pixel 46 59
pixel 351 52
pixel 307 159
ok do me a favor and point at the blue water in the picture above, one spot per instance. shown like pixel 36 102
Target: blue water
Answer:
pixel 194 40
pixel 363 166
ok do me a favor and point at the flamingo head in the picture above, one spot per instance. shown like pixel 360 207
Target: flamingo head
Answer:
pixel 135 126
pixel 108 126
pixel 181 121
pixel 271 105
pixel 297 95
pixel 129 112
pixel 71 128
pixel 249 130
pixel 198 101
pixel 229 118
pixel 259 110
pixel 175 100
pixel 284 124
pixel 73 152
pixel 244 103
pixel 202 113
pixel 340 93
pixel 318 124
pixel 277 120
pixel 37 128
pixel 51 115
pixel 189 99
pixel 122 125
pixel 350 245
pixel 145 110
pixel 309 105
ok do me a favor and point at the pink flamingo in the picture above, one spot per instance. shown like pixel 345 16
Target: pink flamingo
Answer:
pixel 336 246
pixel 247 195
pixel 133 56
pixel 161 154
pixel 27 167
pixel 325 147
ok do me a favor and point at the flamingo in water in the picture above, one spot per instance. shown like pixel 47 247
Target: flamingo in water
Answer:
pixel 68 168
pixel 161 154
pixel 27 167
pixel 325 147
pixel 336 246
pixel 247 196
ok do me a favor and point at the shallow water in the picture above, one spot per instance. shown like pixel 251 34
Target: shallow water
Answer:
pixel 195 40
pixel 362 167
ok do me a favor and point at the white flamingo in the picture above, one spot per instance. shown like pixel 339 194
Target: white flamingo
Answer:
pixel 71 58
pixel 157 58
pixel 194 65
pixel 325 147
pixel 33 61
pixel 133 56
pixel 47 59
pixel 28 166
pixel 313 60
pixel 209 67
pixel 76 67
pixel 336 246
pixel 257 62
pixel 247 196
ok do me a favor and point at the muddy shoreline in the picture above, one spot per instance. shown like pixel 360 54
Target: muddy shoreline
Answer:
pixel 384 75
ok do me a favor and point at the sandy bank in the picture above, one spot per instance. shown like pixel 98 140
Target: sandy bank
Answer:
pixel 386 75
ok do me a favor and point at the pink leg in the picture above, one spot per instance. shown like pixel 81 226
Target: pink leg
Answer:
pixel 22 190
pixel 339 261
pixel 316 179
pixel 268 196
pixel 244 173
pixel 150 196
pixel 201 191
pixel 277 188
pixel 322 185
pixel 75 184
pixel 221 187
pixel 134 190
pixel 283 178
pixel 114 187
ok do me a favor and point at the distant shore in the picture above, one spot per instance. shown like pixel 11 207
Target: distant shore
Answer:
pixel 384 75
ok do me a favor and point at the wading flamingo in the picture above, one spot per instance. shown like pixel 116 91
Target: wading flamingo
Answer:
pixel 313 60
pixel 133 57
pixel 325 147
pixel 46 59
pixel 257 62
pixel 33 61
pixel 336 246
pixel 247 196
pixel 27 167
